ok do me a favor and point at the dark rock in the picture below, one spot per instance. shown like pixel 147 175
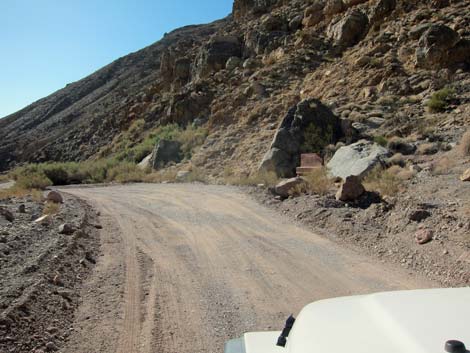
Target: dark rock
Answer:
pixel 66 228
pixel 7 214
pixel 296 23
pixel 307 128
pixel 54 196
pixel 351 189
pixel 349 30
pixel 166 151
pixel 214 55
pixel 382 9
pixel 401 146
pixel 243 8
pixel 22 208
pixel 274 23
pixel 51 347
pixel 435 47
pixel 418 215
pixel 232 63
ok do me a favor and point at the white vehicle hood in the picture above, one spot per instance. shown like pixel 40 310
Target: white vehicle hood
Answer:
pixel 419 321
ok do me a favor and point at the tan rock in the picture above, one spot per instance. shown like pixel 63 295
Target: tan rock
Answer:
pixel 284 188
pixel 423 236
pixel 465 176
pixel 350 189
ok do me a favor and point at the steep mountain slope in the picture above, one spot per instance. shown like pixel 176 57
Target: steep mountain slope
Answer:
pixel 375 62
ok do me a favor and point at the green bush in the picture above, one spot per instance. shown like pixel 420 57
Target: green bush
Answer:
pixel 439 99
pixel 33 181
pixel 381 140
pixel 316 138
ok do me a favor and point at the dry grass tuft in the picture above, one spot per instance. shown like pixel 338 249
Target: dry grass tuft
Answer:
pixel 385 182
pixel 443 166
pixel 19 192
pixel 318 182
pixel 401 173
pixel 51 208
pixel 166 175
pixel 268 179
pixel 397 159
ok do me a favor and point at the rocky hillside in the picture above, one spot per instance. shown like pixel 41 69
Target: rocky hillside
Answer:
pixel 374 67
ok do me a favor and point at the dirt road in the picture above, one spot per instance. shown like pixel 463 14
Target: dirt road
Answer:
pixel 186 267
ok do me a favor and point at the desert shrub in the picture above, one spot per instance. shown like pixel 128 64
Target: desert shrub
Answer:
pixel 125 173
pixel 381 140
pixel 318 182
pixel 464 144
pixel 191 138
pixel 439 99
pixel 57 173
pixel 33 181
pixel 385 182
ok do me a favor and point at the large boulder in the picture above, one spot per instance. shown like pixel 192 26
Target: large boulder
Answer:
pixel 307 128
pixel 349 30
pixel 214 55
pixel 357 159
pixel 350 189
pixel 166 151
pixel 260 42
pixel 440 46
pixel 145 163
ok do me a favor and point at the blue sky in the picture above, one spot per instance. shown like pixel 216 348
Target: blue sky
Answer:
pixel 46 44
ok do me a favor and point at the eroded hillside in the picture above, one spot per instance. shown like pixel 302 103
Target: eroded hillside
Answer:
pixel 375 63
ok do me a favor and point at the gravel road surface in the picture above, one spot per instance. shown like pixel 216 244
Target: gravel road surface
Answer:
pixel 186 267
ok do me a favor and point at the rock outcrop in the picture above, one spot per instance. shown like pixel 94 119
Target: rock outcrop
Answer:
pixel 308 127
pixel 440 46
pixel 166 151
pixel 349 30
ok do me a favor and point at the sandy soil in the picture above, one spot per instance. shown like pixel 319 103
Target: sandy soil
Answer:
pixel 186 267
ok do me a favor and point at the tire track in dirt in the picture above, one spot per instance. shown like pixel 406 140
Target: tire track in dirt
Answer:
pixel 218 264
